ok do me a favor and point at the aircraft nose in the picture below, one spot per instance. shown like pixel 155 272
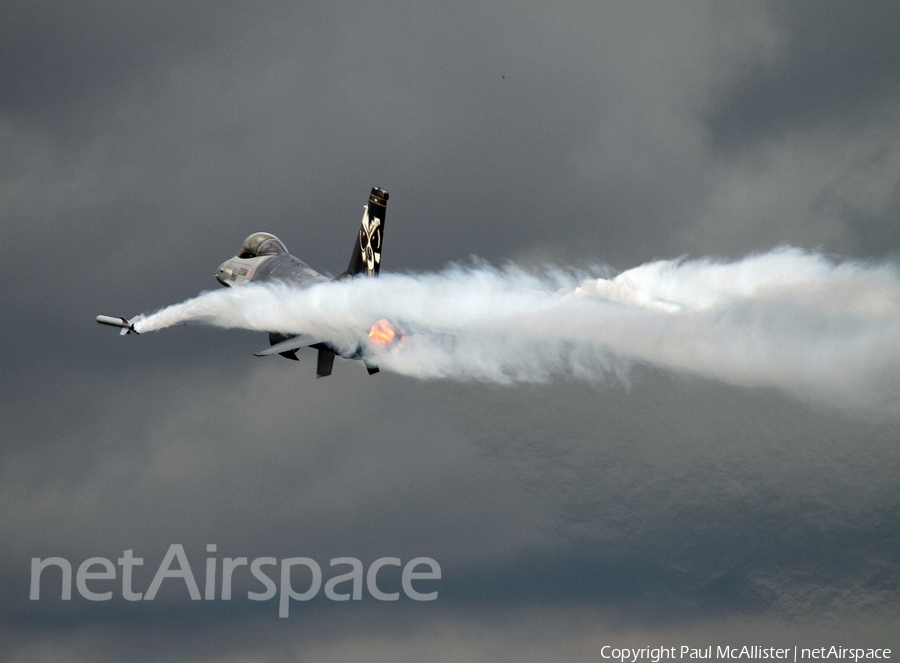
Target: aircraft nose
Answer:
pixel 223 274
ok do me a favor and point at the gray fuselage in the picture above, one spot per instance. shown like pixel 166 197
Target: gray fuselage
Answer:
pixel 280 267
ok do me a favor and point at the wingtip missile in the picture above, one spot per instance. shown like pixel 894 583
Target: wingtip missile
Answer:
pixel 126 326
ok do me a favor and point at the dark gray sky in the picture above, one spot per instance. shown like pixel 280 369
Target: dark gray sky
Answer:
pixel 141 142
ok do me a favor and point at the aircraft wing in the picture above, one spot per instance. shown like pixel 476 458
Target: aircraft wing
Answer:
pixel 293 343
pixel 325 359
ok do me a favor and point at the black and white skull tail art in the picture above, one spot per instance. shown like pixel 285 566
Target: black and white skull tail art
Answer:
pixel 366 257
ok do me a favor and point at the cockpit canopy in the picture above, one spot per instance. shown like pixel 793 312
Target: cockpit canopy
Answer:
pixel 261 244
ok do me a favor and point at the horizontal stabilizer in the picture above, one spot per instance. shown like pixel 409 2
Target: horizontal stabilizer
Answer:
pixel 126 326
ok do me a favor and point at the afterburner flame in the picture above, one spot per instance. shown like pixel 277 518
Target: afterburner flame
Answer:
pixel 382 332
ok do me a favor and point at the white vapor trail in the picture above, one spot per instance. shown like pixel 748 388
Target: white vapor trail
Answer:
pixel 797 321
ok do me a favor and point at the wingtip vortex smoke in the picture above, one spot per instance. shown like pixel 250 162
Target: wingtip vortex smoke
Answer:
pixel 797 321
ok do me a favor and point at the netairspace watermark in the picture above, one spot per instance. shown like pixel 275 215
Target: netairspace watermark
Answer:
pixel 336 587
pixel 747 653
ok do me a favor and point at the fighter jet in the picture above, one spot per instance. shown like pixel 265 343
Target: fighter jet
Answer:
pixel 264 257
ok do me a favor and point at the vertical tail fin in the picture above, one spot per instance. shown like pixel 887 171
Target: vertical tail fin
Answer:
pixel 366 257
